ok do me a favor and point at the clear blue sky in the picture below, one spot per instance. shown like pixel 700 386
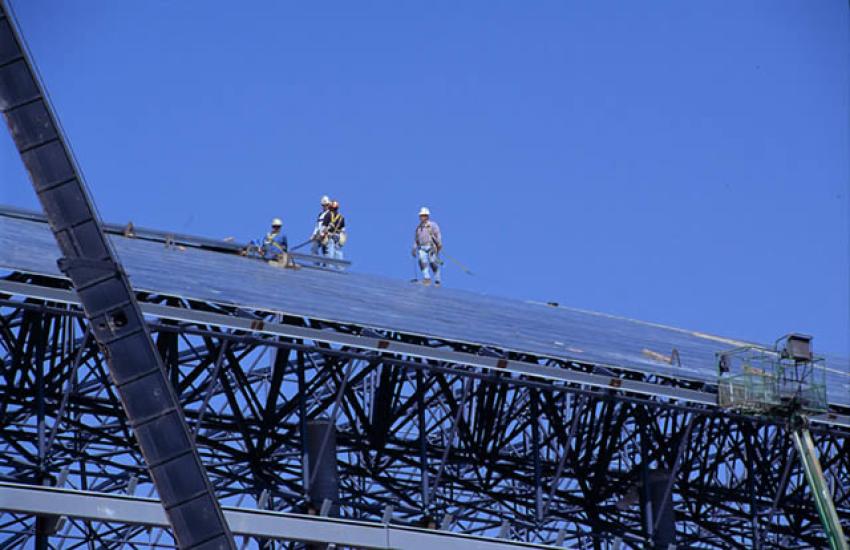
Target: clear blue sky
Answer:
pixel 679 162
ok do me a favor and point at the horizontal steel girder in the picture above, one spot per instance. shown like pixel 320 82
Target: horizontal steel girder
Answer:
pixel 413 350
pixel 105 507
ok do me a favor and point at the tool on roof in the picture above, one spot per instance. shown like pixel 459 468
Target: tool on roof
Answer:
pixel 302 245
pixel 458 263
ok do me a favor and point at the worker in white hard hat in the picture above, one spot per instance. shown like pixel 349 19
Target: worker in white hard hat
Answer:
pixel 427 244
pixel 273 246
pixel 317 248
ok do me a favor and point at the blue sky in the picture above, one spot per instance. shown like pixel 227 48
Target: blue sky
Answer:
pixel 678 162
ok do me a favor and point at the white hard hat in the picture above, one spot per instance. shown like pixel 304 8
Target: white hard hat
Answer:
pixel 325 200
pixel 276 222
pixel 424 211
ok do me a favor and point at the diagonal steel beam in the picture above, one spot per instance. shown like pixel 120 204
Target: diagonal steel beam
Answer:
pixel 117 324
pixel 674 472
pixel 563 460
pixel 453 433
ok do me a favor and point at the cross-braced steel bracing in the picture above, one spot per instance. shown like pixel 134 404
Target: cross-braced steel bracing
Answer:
pixel 482 451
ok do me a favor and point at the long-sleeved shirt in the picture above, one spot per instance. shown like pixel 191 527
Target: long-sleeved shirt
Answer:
pixel 320 223
pixel 428 234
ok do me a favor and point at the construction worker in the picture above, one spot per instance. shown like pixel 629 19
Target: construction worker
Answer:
pixel 316 247
pixel 273 246
pixel 427 244
pixel 333 232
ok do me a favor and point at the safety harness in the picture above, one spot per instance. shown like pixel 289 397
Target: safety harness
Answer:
pixel 427 225
pixel 270 241
pixel 334 223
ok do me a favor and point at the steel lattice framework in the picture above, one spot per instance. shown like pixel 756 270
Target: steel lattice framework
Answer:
pixel 446 444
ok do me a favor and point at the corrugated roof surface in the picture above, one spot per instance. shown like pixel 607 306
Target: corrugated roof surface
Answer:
pixel 379 302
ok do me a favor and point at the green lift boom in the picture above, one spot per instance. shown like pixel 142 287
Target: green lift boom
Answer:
pixel 786 382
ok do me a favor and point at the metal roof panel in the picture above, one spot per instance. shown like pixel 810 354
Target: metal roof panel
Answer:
pixel 384 303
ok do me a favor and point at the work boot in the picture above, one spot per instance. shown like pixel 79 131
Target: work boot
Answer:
pixel 436 283
pixel 426 282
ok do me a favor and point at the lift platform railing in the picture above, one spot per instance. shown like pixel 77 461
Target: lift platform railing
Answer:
pixel 759 380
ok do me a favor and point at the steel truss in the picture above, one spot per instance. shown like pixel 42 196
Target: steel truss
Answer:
pixel 445 444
